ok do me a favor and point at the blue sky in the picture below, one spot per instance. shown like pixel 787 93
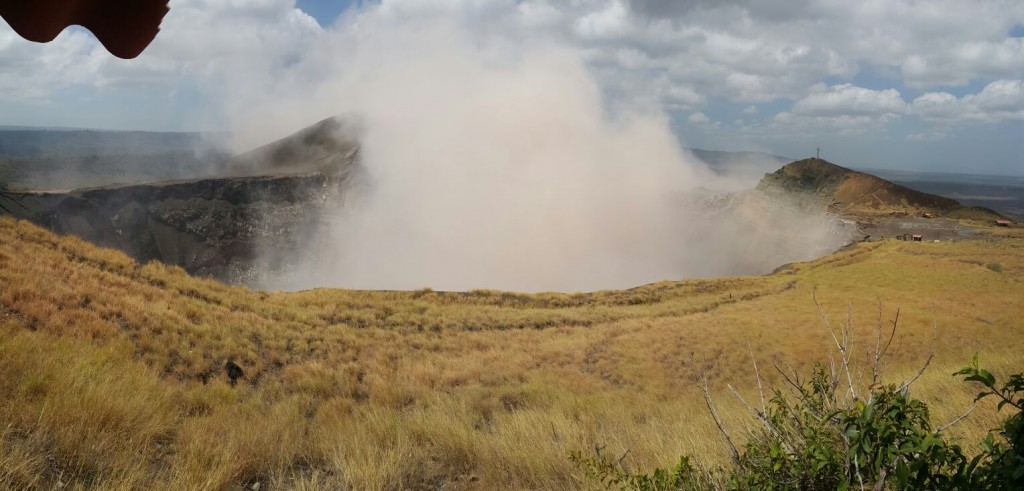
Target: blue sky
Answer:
pixel 324 11
pixel 904 84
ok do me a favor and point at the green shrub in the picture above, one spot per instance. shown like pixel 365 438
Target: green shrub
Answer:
pixel 998 268
pixel 1002 459
pixel 885 442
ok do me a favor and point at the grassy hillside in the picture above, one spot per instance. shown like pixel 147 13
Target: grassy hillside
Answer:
pixel 111 370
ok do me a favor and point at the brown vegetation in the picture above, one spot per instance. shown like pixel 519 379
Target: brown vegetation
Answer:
pixel 112 373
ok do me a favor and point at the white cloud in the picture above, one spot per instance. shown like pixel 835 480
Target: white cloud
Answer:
pixel 848 99
pixel 678 96
pixel 999 97
pixel 198 39
pixel 1002 100
pixel 788 123
pixel 960 64
pixel 936 106
pixel 927 136
pixel 698 118
pixel 774 49
pixel 30 71
pixel 613 21
pixel 674 54
pixel 632 58
pixel 540 15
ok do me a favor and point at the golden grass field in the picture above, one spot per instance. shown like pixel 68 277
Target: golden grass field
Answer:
pixel 111 372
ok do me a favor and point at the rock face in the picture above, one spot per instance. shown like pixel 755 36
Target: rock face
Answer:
pixel 216 227
pixel 248 230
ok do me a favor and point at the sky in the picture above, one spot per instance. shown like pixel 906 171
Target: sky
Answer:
pixel 932 85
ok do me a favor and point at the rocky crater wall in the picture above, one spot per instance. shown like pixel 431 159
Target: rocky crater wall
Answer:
pixel 244 230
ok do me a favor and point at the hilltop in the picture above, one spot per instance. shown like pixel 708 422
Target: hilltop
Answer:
pixel 330 146
pixel 863 196
pixel 113 378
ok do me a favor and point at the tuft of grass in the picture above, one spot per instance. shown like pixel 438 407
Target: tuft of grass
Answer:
pixel 113 371
pixel 998 268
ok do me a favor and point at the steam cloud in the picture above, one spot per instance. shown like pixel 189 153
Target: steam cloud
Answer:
pixel 497 162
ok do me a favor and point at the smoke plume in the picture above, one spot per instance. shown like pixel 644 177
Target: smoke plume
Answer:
pixel 493 161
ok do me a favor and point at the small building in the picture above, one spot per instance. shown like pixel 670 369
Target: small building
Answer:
pixel 1002 222
pixel 916 238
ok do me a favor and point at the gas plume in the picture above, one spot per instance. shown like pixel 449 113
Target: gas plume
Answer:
pixel 492 161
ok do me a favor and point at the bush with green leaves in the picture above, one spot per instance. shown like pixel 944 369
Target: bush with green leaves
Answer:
pixel 810 441
pixel 1001 463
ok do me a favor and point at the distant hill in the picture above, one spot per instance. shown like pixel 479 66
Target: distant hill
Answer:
pixel 316 148
pixel 67 158
pixel 35 142
pixel 64 159
pixel 744 168
pixel 858 194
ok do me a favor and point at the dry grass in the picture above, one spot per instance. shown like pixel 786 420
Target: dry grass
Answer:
pixel 111 373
